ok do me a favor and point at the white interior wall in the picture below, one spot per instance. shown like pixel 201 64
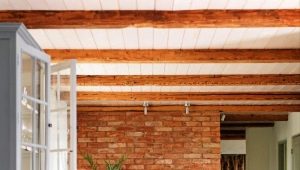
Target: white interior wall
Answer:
pixel 260 149
pixel 233 147
pixel 262 143
pixel 286 131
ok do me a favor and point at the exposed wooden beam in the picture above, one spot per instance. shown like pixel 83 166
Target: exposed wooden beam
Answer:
pixel 233 134
pixel 256 117
pixel 188 80
pixel 176 56
pixel 221 108
pixel 185 96
pixel 158 19
pixel 246 124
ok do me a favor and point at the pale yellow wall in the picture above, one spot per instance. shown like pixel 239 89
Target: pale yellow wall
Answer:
pixel 259 148
pixel 286 131
pixel 262 143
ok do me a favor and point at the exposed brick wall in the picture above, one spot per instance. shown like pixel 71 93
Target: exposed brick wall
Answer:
pixel 157 141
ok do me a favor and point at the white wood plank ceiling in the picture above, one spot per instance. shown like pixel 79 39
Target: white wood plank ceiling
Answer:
pixel 145 4
pixel 175 38
pixel 155 38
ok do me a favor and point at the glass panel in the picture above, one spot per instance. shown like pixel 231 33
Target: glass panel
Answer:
pixel 60 133
pixel 40 80
pixel 27 74
pixel 40 124
pixel 27 109
pixel 26 158
pixel 40 159
pixel 60 160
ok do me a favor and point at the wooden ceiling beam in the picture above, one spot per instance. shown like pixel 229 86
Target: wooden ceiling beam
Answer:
pixel 157 19
pixel 176 56
pixel 172 108
pixel 233 135
pixel 256 117
pixel 185 96
pixel 246 124
pixel 188 80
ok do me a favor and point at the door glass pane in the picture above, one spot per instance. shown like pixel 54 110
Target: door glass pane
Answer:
pixel 40 159
pixel 26 158
pixel 33 112
pixel 60 133
pixel 27 74
pixel 26 112
pixel 40 84
pixel 40 124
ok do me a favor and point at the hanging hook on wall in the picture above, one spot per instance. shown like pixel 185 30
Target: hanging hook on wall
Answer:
pixel 223 116
pixel 145 104
pixel 187 109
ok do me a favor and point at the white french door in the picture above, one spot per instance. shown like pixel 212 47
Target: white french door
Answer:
pixel 33 114
pixel 62 134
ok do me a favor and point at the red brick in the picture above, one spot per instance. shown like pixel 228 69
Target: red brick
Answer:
pixel 153 123
pixel 168 129
pixel 158 141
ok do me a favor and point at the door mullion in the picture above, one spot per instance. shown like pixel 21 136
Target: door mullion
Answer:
pixel 34 123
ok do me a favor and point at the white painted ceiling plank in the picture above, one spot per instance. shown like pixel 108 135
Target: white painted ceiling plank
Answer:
pixel 128 4
pixel 146 69
pixel 217 4
pixel 38 4
pixel 160 38
pixel 249 38
pixel 271 4
pixel 182 69
pixel 234 38
pixel 56 5
pixel 101 38
pixel 146 4
pixel 219 38
pixel 40 36
pixel 20 5
pixel 116 39
pixel 91 4
pixel 234 4
pixel 263 37
pixel 190 38
pixel 205 37
pixel 74 4
pixel 86 38
pixel 290 4
pixel 253 4
pixel 171 69
pixel 145 38
pixel 199 4
pixel 71 38
pixel 175 38
pixel 109 4
pixel 157 69
pixel 131 38
pixel 294 40
pixel 281 39
pixel 134 69
pixel 56 38
pixel 181 4
pixel 5 5
pixel 164 5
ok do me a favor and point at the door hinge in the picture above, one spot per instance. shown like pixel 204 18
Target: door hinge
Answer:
pixel 291 151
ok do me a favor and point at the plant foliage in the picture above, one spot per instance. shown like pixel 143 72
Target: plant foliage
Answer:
pixel 90 161
pixel 117 165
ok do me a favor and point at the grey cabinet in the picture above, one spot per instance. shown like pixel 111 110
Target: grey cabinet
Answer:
pixel 25 110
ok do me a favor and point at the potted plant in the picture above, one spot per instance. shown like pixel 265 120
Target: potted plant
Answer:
pixel 117 165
